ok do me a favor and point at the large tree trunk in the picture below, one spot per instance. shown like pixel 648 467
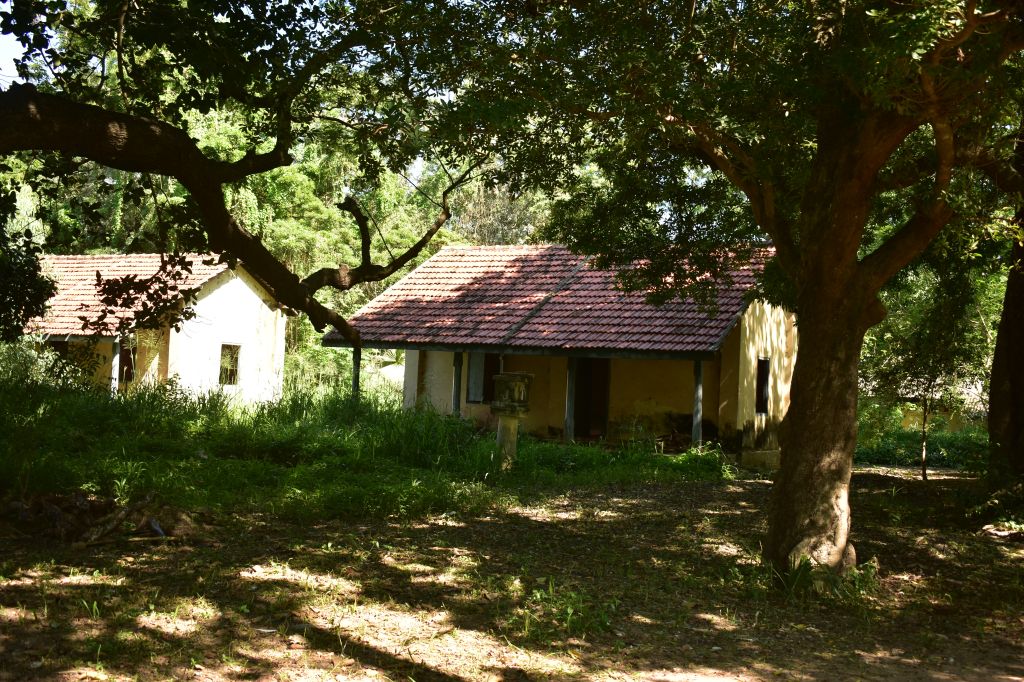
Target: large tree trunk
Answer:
pixel 1006 388
pixel 809 515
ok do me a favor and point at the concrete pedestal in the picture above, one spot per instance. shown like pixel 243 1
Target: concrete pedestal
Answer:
pixel 508 436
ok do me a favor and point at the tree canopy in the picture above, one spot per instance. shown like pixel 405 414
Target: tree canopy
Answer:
pixel 128 87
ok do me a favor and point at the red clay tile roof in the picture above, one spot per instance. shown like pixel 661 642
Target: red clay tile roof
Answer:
pixel 76 296
pixel 537 297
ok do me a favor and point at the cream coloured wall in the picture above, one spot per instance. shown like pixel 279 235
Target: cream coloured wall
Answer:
pixel 765 331
pixel 411 380
pixel 656 396
pixel 231 309
pixel 436 374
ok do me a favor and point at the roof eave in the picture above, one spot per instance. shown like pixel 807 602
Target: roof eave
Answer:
pixel 553 351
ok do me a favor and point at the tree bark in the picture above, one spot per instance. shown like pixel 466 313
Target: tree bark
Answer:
pixel 1006 386
pixel 809 514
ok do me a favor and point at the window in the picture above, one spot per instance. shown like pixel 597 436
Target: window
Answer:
pixel 761 397
pixel 229 364
pixel 480 378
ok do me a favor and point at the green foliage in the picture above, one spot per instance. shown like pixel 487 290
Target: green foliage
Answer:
pixel 849 588
pixel 24 289
pixel 935 345
pixel 966 449
pixel 312 454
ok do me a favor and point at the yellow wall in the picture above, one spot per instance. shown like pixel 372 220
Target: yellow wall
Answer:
pixel 651 396
pixel 656 396
pixel 765 331
pixel 546 417
pixel 104 351
pixel 729 389
pixel 646 395
pixel 151 356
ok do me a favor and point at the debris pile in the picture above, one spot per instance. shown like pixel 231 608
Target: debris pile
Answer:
pixel 85 519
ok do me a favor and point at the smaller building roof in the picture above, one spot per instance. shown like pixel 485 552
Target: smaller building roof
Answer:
pixel 538 299
pixel 77 295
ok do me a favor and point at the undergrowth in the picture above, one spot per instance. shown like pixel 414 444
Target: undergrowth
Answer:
pixel 965 449
pixel 311 454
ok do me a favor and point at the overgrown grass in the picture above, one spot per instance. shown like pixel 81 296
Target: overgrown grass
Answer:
pixel 308 455
pixel 966 449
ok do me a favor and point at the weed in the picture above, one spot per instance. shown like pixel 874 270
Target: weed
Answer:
pixel 849 588
pixel 560 610
pixel 91 610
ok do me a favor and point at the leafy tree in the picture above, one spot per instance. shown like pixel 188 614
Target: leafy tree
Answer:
pixel 123 84
pixel 24 290
pixel 495 214
pixel 1006 382
pixel 689 132
pixel 934 346
pixel 685 133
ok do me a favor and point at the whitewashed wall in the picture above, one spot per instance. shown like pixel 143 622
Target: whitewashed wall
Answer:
pixel 231 309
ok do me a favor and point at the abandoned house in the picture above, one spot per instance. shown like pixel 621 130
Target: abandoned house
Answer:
pixel 604 364
pixel 234 343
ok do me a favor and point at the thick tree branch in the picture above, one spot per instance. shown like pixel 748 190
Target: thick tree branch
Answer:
pixel 1002 172
pixel 344 277
pixel 352 207
pixel 739 166
pixel 906 243
pixel 33 120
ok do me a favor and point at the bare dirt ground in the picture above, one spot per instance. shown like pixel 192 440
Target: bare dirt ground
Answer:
pixel 646 583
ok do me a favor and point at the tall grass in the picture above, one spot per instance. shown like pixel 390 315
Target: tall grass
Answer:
pixel 311 454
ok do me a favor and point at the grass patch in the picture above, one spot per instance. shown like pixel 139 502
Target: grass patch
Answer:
pixel 306 456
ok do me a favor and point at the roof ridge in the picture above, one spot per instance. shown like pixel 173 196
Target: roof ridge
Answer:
pixel 561 286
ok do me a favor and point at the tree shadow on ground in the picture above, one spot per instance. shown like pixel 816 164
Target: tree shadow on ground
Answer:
pixel 642 581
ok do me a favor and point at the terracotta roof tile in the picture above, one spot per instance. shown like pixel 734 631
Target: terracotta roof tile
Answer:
pixel 77 296
pixel 538 297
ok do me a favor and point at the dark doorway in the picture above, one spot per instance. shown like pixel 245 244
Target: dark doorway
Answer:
pixel 593 379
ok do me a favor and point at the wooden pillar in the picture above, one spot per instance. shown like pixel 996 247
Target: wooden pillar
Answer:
pixel 569 431
pixel 357 360
pixel 457 384
pixel 698 401
pixel 115 366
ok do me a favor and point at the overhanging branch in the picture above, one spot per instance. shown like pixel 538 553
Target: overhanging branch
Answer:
pixel 343 277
